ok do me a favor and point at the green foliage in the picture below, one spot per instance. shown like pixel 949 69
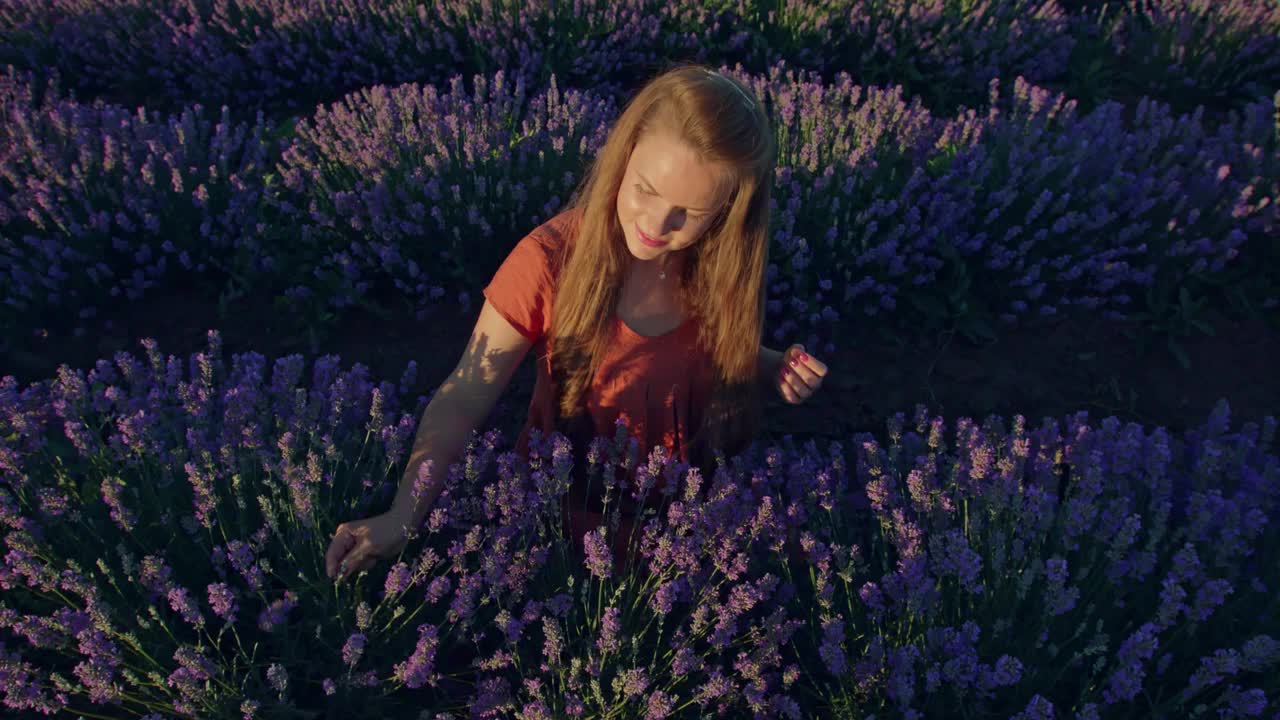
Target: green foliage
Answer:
pixel 951 304
pixel 1169 318
pixel 1092 69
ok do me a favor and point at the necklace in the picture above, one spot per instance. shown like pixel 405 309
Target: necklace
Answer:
pixel 662 273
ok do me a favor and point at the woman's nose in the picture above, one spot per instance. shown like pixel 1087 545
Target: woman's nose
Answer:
pixel 663 223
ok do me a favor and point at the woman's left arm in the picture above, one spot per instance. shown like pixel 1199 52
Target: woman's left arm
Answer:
pixel 793 374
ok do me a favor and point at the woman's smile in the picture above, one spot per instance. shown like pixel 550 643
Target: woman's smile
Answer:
pixel 649 240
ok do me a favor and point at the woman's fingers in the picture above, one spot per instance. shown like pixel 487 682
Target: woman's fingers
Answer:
pixel 800 376
pixel 807 368
pixel 339 548
pixel 793 388
pixel 356 561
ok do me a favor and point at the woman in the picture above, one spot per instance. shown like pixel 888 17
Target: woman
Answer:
pixel 644 301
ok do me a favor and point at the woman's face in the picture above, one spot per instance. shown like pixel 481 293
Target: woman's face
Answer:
pixel 668 195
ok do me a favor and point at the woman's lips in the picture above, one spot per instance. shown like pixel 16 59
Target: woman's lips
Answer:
pixel 648 240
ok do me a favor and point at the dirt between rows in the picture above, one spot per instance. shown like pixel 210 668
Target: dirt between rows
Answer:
pixel 1079 364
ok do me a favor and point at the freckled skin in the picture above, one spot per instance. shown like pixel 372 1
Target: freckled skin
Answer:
pixel 676 204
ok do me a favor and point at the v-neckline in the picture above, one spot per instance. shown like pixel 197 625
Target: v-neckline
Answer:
pixel 688 319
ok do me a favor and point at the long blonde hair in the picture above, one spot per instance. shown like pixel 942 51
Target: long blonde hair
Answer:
pixel 722 281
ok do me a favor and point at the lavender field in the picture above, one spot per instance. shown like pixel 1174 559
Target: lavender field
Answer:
pixel 1037 241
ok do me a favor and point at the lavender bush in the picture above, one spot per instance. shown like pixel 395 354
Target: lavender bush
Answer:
pixel 1156 206
pixel 424 186
pixel 201 493
pixel 274 55
pixel 98 202
pixel 599 45
pixel 853 152
pixel 289 55
pixel 942 50
pixel 1220 53
pixel 1015 572
pixel 1059 572
pixel 1010 215
pixel 206 497
pixel 695 625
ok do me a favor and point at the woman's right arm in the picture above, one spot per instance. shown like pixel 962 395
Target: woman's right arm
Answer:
pixel 458 407
pixel 464 400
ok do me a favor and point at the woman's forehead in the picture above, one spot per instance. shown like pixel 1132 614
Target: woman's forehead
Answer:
pixel 676 172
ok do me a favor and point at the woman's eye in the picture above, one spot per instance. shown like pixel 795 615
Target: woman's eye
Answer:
pixel 691 216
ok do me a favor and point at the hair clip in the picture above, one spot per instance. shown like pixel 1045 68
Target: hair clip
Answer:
pixel 750 103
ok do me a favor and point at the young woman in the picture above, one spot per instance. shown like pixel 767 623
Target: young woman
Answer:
pixel 643 300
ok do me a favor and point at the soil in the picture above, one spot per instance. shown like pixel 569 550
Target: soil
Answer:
pixel 1078 364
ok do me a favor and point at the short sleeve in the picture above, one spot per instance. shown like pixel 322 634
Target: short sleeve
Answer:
pixel 520 289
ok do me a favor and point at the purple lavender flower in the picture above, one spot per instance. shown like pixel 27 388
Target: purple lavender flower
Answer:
pixel 278 676
pixel 353 649
pixel 660 705
pixel 1007 672
pixel 190 677
pixel 686 661
pixel 599 558
pixel 399 579
pixel 1209 597
pixel 1246 703
pixel 125 518
pixel 610 627
pixel 1126 680
pixel 275 614
pixel 437 589
pixel 631 683
pixel 182 602
pixel 1038 708
pixel 419 668
pixel 1058 598
pixel 665 596
pixel 955 557
pixel 832 650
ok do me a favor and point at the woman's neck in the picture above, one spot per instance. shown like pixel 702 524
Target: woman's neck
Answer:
pixel 644 286
pixel 647 272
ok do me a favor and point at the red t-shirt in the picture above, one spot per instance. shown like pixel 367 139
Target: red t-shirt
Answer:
pixel 659 384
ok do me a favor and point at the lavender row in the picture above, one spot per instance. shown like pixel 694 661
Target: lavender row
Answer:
pixel 990 219
pixel 100 204
pixel 1061 571
pixel 1066 570
pixel 1009 215
pixel 423 188
pixel 288 55
pixel 1192 52
pixel 942 51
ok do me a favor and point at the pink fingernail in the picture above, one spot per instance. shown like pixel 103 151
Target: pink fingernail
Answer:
pixel 803 356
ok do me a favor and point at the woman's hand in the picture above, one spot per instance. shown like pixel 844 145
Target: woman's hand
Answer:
pixel 800 375
pixel 359 544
